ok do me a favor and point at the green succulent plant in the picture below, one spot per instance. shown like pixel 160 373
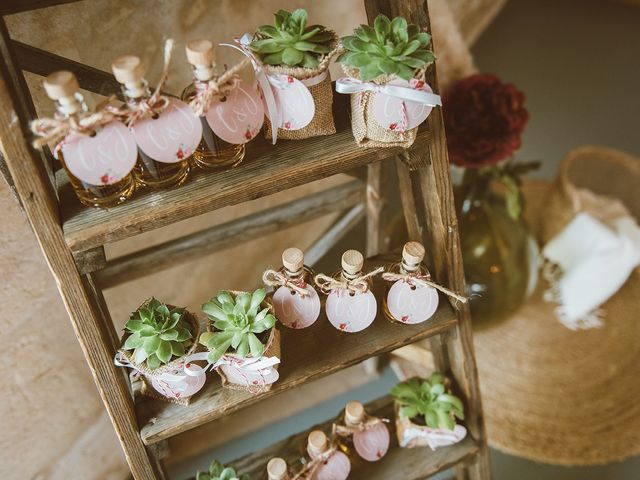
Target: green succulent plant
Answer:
pixel 390 47
pixel 237 321
pixel 217 471
pixel 157 334
pixel 429 400
pixel 291 42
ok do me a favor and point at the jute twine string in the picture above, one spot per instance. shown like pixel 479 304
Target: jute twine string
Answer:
pixel 57 128
pixel 358 284
pixel 367 424
pixel 424 281
pixel 216 88
pixel 555 395
pixel 157 102
pixel 309 469
pixel 273 278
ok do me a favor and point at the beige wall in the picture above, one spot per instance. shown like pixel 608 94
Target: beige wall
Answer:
pixel 52 420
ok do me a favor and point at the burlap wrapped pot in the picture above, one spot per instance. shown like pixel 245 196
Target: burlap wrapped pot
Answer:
pixel 146 374
pixel 322 93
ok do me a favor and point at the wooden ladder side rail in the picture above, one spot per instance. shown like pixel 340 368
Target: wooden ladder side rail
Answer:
pixel 40 206
pixel 9 7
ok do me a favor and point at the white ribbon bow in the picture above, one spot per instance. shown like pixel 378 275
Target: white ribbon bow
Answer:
pixel 435 437
pixel 353 85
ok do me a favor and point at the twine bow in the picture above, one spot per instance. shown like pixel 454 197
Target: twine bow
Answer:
pixel 273 278
pixel 217 87
pixel 157 102
pixel 310 467
pixel 423 281
pixel 356 285
pixel 56 129
pixel 367 424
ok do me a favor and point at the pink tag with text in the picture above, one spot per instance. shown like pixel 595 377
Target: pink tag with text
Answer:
pixel 295 101
pixel 397 114
pixel 295 311
pixel 351 313
pixel 240 117
pixel 412 304
pixel 103 159
pixel 173 136
pixel 373 443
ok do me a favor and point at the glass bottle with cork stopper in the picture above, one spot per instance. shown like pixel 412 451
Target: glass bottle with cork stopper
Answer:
pixel 163 150
pixel 408 298
pixel 296 302
pixel 213 153
pixel 330 465
pixel 362 436
pixel 350 306
pixel 277 469
pixel 98 165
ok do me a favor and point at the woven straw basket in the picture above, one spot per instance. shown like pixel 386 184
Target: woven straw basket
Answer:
pixel 555 395
pixel 322 93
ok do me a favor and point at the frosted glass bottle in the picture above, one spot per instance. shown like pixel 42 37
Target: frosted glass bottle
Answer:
pixel 99 167
pixel 370 444
pixel 336 467
pixel 212 153
pixel 164 144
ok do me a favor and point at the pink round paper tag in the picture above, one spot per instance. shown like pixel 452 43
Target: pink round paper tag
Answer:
pixel 372 444
pixel 337 467
pixel 295 311
pixel 351 313
pixel 295 101
pixel 240 117
pixel 185 387
pixel 388 110
pixel 173 136
pixel 103 159
pixel 412 305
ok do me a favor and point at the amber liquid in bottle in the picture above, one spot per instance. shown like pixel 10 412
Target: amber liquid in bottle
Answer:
pixel 212 153
pixel 63 88
pixel 412 256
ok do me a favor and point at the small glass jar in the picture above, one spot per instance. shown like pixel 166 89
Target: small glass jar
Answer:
pixel 369 439
pixel 336 467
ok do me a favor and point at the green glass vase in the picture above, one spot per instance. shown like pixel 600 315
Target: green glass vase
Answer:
pixel 495 251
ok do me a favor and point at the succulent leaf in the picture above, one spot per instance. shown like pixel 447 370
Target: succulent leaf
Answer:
pixel 391 47
pixel 218 471
pixel 291 42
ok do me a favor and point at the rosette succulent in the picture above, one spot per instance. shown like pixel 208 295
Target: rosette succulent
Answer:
pixel 157 334
pixel 390 47
pixel 217 471
pixel 237 321
pixel 428 400
pixel 291 42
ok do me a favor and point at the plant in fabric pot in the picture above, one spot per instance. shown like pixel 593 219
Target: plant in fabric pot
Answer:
pixel 218 471
pixel 391 57
pixel 485 119
pixel 426 413
pixel 243 343
pixel 295 57
pixel 158 340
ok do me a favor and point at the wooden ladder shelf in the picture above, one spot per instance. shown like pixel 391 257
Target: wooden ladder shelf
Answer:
pixel 73 237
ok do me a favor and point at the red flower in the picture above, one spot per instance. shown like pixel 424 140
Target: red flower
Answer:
pixel 180 154
pixel 484 120
pixel 290 79
pixel 248 135
pixel 419 85
pixel 405 318
pixel 393 126
pixel 287 125
pixel 105 178
pixel 343 326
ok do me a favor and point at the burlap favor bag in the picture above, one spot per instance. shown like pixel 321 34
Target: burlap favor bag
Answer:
pixel 161 382
pixel 318 82
pixel 412 435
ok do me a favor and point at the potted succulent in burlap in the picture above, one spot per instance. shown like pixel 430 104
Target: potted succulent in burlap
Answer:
pixel 218 471
pixel 426 413
pixel 296 57
pixel 385 66
pixel 243 343
pixel 158 342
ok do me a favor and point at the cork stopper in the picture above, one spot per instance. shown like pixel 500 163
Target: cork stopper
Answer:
pixel 128 69
pixel 293 259
pixel 352 262
pixel 354 413
pixel 277 469
pixel 413 253
pixel 317 442
pixel 201 52
pixel 60 85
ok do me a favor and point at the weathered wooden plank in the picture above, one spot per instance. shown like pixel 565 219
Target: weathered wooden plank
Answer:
pixel 9 7
pixel 40 207
pixel 265 170
pixel 165 255
pixel 375 202
pixel 41 62
pixel 398 463
pixel 88 261
pixel 306 355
